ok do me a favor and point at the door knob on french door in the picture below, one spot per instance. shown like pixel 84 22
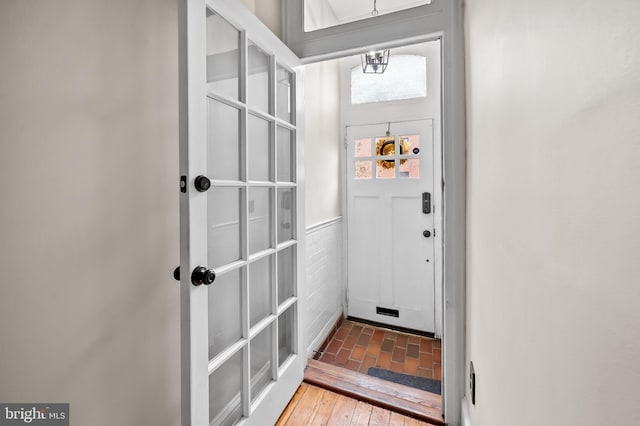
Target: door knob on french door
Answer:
pixel 202 183
pixel 426 233
pixel 202 275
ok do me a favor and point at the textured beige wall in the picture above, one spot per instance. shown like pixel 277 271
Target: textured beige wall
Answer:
pixel 89 216
pixel 553 315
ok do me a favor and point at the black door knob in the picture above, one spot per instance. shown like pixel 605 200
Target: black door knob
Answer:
pixel 202 183
pixel 176 274
pixel 202 275
pixel 426 234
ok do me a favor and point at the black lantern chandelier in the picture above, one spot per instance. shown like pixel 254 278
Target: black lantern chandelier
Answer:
pixel 375 62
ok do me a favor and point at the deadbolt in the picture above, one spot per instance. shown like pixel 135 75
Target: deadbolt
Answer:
pixel 202 275
pixel 202 183
pixel 426 234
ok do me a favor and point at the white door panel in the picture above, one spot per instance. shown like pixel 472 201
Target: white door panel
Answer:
pixel 365 229
pixel 390 261
pixel 242 353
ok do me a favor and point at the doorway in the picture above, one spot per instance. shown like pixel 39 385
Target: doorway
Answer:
pixel 391 161
pixel 440 19
pixel 392 196
pixel 241 217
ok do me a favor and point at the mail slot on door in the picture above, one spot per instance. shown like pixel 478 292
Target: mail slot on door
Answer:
pixel 426 202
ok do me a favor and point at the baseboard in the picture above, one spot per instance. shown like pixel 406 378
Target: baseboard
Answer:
pixel 323 338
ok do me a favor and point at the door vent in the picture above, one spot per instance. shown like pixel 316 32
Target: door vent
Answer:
pixel 388 312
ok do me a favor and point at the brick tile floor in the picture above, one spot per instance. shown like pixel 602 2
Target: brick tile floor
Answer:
pixel 359 346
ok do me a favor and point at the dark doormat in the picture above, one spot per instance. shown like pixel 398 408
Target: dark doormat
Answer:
pixel 429 385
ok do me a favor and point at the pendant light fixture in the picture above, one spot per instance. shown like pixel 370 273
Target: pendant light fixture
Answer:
pixel 375 62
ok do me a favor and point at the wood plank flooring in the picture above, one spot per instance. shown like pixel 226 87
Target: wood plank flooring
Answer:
pixel 314 406
pixel 416 403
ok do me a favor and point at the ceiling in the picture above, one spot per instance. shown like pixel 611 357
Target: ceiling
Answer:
pixel 353 10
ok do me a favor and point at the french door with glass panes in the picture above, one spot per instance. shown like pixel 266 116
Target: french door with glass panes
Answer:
pixel 240 209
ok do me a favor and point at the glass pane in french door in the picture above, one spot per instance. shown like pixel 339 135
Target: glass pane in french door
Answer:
pixel 260 289
pixel 223 56
pixel 259 219
pixel 259 149
pixel 284 94
pixel 225 312
pixel 286 326
pixel 259 69
pixel 223 141
pixel 225 392
pixel 286 214
pixel 224 225
pixel 286 278
pixel 261 354
pixel 286 159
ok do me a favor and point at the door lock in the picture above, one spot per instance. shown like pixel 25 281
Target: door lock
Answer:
pixel 202 275
pixel 426 202
pixel 426 233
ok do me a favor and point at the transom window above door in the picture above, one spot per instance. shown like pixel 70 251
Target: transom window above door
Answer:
pixel 320 14
pixel 404 78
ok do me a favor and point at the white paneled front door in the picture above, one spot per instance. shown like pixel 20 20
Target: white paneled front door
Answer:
pixel 390 176
pixel 241 215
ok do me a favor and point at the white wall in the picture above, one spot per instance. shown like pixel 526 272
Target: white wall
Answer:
pixel 89 217
pixel 553 301
pixel 268 11
pixel 318 14
pixel 325 281
pixel 325 278
pixel 322 141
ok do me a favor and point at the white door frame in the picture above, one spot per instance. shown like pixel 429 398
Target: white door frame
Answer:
pixel 193 242
pixel 440 19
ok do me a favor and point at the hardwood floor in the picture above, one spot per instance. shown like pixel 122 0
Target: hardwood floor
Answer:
pixel 405 400
pixel 311 406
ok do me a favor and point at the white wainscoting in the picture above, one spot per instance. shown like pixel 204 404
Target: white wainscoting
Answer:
pixel 325 281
